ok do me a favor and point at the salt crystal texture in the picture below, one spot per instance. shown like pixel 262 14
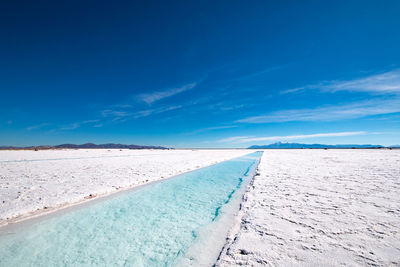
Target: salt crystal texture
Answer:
pixel 320 208
pixel 32 182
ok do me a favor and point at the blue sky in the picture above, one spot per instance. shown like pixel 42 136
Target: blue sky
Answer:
pixel 200 73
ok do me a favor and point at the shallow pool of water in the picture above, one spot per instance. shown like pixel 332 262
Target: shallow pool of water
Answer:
pixel 152 226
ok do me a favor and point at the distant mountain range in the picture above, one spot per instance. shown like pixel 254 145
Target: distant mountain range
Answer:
pixel 280 145
pixel 87 145
pixel 277 145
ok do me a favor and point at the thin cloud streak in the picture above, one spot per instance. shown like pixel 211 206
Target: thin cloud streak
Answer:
pixel 36 127
pixel 384 83
pixel 123 116
pixel 246 139
pixel 124 112
pixel 330 113
pixel 72 126
pixel 302 136
pixel 148 112
pixel 388 82
pixel 234 139
pixel 76 125
pixel 216 128
pixel 156 96
pixel 114 113
pixel 219 127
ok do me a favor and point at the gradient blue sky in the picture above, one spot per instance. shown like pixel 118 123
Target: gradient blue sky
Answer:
pixel 200 73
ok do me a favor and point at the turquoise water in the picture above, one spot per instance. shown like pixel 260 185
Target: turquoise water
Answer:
pixel 152 226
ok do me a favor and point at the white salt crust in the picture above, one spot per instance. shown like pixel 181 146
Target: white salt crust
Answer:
pixel 320 208
pixel 37 182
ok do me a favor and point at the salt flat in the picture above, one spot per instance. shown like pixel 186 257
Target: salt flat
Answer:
pixel 35 181
pixel 320 208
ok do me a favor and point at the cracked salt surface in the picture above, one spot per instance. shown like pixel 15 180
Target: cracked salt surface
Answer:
pixel 320 208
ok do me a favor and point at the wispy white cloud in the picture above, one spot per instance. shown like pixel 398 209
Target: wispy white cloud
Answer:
pixel 297 89
pixel 125 111
pixel 234 139
pixel 114 113
pixel 156 96
pixel 216 128
pixel 388 82
pixel 291 137
pixel 123 116
pixel 71 126
pixel 232 107
pixel 148 112
pixel 37 126
pixel 76 125
pixel 330 113
pixel 121 106
pixel 219 127
pixel 89 121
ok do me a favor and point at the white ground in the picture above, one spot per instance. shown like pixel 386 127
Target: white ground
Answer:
pixel 307 207
pixel 320 208
pixel 57 178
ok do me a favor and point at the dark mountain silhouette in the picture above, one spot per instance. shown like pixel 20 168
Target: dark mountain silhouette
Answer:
pixel 280 145
pixel 87 145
